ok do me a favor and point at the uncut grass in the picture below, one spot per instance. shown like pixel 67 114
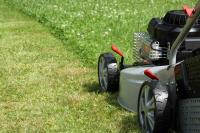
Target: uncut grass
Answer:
pixel 44 88
pixel 90 26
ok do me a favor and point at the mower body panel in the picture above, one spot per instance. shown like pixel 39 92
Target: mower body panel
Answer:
pixel 131 80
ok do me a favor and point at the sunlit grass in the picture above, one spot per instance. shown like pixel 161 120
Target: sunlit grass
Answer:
pixel 91 26
pixel 44 88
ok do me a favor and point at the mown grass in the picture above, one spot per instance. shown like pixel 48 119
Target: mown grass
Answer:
pixel 44 88
pixel 90 26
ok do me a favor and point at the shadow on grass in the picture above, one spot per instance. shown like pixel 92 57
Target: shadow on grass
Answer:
pixel 130 125
pixel 111 98
pixel 92 87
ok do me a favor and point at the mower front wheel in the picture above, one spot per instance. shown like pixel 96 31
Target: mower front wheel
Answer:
pixel 108 73
pixel 154 112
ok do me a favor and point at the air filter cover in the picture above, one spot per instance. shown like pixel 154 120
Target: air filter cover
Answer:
pixel 177 18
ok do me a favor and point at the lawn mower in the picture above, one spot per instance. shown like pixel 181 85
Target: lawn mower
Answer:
pixel 163 85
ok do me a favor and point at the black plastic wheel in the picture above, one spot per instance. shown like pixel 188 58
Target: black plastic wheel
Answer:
pixel 108 73
pixel 154 110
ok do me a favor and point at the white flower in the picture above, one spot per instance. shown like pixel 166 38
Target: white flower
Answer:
pixel 106 33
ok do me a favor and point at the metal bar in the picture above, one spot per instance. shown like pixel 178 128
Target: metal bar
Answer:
pixel 181 37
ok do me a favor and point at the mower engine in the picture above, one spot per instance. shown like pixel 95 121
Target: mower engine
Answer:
pixel 162 32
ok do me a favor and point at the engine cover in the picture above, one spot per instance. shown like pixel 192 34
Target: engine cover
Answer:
pixel 162 32
pixel 165 30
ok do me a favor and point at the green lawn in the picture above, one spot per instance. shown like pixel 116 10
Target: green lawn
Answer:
pixel 47 83
pixel 44 88
pixel 91 26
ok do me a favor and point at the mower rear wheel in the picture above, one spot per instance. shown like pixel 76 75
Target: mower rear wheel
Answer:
pixel 108 73
pixel 153 109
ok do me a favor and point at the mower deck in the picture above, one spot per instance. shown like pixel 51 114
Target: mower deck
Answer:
pixel 128 94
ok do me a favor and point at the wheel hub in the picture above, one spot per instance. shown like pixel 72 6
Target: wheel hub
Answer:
pixel 147 110
pixel 103 73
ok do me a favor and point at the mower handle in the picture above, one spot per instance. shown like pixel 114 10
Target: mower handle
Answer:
pixel 181 37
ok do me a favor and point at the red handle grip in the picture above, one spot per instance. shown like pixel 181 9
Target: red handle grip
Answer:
pixel 151 75
pixel 116 50
pixel 189 11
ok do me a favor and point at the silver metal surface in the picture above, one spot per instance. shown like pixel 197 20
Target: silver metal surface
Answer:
pixel 136 48
pixel 131 80
pixel 147 48
pixel 146 110
pixel 113 67
pixel 189 113
pixel 103 73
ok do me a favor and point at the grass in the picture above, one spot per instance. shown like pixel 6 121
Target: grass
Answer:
pixel 44 88
pixel 91 26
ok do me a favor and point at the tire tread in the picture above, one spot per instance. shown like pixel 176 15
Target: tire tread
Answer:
pixel 113 76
